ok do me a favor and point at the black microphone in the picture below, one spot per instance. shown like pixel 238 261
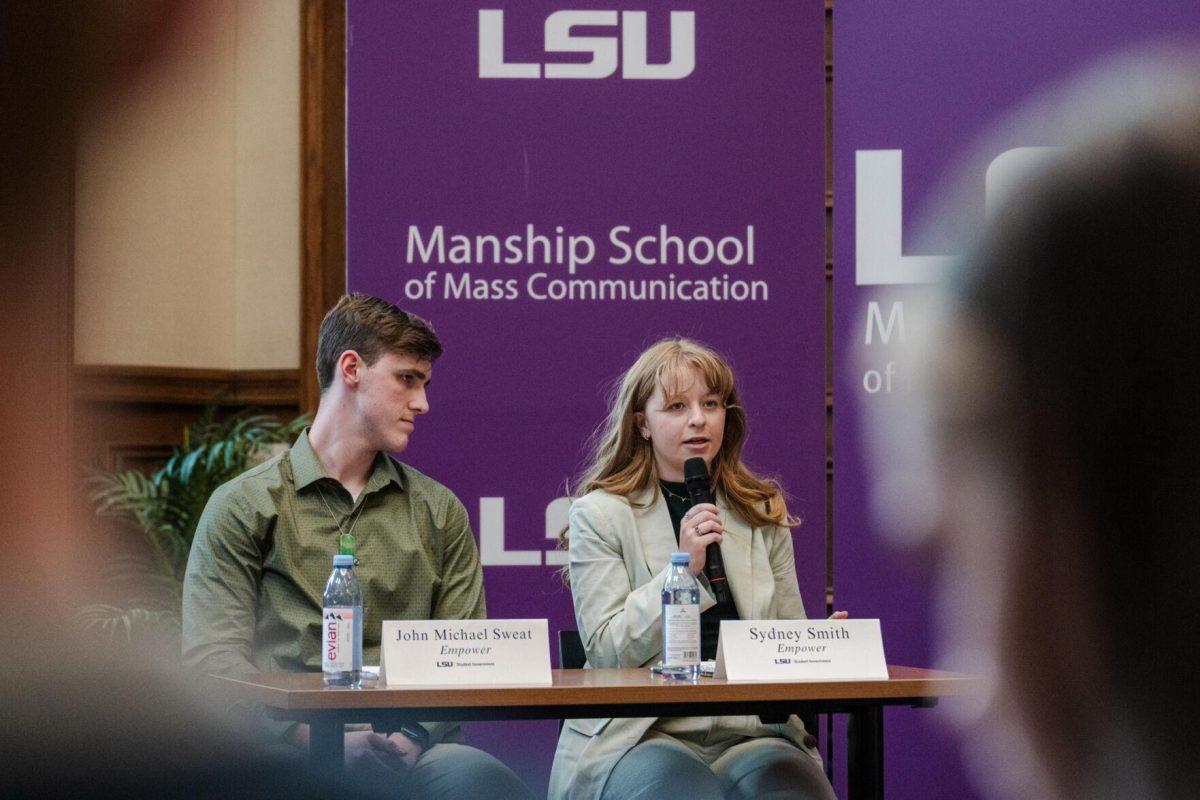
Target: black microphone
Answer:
pixel 695 475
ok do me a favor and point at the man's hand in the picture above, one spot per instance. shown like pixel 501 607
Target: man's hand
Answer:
pixel 412 750
pixel 368 750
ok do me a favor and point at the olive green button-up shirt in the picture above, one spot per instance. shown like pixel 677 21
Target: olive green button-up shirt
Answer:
pixel 264 549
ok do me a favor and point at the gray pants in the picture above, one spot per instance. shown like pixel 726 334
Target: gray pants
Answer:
pixel 664 768
pixel 445 771
pixel 457 771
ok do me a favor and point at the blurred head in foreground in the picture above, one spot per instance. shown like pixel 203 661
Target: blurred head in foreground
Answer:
pixel 1061 402
pixel 81 720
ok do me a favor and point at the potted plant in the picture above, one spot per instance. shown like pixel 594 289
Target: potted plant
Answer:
pixel 165 507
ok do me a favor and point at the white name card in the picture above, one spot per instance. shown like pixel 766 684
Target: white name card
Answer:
pixel 801 650
pixel 440 652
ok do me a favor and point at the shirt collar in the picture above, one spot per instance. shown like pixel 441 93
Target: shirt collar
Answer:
pixel 385 472
pixel 307 468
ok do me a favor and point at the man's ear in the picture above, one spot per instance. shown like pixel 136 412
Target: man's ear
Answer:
pixel 349 368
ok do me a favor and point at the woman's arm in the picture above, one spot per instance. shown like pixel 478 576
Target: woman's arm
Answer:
pixel 788 603
pixel 783 568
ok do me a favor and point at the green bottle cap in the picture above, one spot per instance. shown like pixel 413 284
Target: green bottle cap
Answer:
pixel 346 544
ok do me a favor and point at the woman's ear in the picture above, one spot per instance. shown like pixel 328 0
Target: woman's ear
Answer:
pixel 639 422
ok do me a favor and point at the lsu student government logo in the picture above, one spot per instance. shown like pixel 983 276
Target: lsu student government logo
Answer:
pixel 605 58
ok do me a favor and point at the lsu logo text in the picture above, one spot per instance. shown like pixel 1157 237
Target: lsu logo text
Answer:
pixel 604 55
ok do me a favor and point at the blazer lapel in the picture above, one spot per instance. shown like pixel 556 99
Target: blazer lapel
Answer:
pixel 739 563
pixel 653 528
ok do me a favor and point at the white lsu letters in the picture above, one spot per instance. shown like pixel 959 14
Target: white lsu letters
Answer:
pixel 492 552
pixel 879 221
pixel 605 59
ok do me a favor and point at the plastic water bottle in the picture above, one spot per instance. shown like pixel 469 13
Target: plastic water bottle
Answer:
pixel 341 625
pixel 681 621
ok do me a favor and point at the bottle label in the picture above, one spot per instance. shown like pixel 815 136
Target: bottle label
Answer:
pixel 682 633
pixel 337 639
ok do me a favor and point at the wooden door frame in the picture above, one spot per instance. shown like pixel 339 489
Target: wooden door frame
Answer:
pixel 323 177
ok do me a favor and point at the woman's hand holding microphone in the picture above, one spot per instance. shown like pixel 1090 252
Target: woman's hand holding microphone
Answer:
pixel 700 527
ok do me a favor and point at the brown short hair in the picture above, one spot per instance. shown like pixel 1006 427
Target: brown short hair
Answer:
pixel 370 327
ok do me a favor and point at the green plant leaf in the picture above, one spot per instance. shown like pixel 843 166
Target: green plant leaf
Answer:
pixel 166 506
pixel 113 622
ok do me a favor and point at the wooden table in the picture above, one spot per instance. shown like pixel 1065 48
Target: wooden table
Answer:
pixel 582 693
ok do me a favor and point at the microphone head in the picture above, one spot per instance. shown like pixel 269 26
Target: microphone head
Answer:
pixel 694 469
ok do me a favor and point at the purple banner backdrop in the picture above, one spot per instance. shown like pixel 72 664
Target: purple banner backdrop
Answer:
pixel 916 85
pixel 723 151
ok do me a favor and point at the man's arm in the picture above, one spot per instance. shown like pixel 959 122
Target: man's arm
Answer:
pixel 461 595
pixel 220 596
pixel 220 590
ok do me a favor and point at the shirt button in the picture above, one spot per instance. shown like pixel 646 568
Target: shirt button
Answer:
pixel 810 741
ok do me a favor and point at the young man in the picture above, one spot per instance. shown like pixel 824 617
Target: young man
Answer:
pixel 264 546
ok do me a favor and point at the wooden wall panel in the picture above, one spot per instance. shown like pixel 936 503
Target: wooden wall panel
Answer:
pixel 133 416
pixel 323 182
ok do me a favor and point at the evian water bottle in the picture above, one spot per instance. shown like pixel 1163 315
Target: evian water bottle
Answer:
pixel 341 625
pixel 681 621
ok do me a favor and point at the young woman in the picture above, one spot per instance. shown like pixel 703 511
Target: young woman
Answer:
pixel 678 401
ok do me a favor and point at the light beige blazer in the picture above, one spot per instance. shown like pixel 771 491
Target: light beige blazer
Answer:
pixel 618 558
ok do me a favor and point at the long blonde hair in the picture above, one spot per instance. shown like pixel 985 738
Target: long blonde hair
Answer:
pixel 622 462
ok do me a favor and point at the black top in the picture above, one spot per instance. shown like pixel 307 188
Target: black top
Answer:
pixel 710 621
